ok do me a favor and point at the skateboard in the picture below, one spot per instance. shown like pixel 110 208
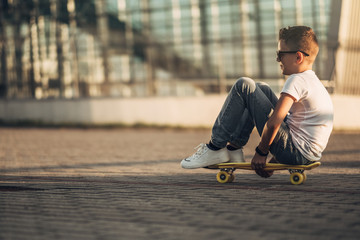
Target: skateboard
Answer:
pixel 297 172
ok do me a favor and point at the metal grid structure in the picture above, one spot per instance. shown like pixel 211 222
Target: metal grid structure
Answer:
pixel 137 48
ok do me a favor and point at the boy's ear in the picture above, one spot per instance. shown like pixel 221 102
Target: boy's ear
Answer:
pixel 299 57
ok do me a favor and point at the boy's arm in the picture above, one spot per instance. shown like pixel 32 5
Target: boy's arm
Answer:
pixel 271 128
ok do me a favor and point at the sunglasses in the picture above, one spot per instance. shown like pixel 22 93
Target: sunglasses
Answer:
pixel 281 53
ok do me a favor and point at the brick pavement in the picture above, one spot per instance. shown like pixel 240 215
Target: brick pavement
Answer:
pixel 127 184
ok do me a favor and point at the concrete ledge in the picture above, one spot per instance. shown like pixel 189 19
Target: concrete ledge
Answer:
pixel 169 111
pixel 346 112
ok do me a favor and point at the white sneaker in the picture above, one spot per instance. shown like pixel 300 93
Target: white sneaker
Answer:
pixel 205 157
pixel 236 156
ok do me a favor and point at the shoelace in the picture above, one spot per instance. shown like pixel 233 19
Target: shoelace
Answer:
pixel 201 149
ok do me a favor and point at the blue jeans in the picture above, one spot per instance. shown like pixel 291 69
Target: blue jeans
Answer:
pixel 247 105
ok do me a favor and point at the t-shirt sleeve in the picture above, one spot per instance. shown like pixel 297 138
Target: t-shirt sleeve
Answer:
pixel 295 86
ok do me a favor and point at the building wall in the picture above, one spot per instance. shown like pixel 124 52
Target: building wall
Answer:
pixel 136 48
pixel 168 111
pixel 347 70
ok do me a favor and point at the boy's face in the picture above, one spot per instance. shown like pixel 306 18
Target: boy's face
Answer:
pixel 287 61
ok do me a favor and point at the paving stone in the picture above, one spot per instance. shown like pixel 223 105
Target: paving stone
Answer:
pixel 127 184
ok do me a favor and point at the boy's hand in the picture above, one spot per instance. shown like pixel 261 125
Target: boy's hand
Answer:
pixel 264 174
pixel 258 163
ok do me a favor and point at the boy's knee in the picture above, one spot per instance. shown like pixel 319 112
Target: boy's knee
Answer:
pixel 263 86
pixel 246 83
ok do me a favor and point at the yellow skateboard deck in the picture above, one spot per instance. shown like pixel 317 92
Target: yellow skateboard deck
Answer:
pixel 297 176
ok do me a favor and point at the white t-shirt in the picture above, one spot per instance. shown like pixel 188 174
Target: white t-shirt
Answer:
pixel 310 118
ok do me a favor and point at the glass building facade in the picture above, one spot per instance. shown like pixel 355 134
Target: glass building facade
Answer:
pixel 138 48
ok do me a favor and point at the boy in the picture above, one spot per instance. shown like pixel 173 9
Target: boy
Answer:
pixel 294 128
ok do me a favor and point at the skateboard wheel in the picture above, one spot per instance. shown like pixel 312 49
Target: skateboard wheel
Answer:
pixel 223 177
pixel 296 178
pixel 304 176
